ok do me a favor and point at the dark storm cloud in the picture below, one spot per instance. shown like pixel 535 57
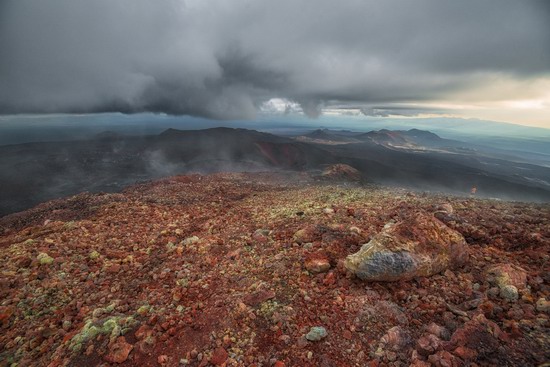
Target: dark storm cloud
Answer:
pixel 222 59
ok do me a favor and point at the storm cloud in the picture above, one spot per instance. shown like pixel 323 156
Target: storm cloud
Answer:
pixel 223 59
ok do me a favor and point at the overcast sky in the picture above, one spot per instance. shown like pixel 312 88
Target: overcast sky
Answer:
pixel 232 59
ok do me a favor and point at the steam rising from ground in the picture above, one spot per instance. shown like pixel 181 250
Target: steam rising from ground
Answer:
pixel 222 59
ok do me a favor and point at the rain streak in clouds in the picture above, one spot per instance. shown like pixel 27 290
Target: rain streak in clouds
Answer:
pixel 224 59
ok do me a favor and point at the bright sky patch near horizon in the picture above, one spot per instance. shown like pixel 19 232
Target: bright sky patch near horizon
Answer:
pixel 232 60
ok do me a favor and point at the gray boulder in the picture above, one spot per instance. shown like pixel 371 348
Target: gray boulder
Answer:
pixel 418 245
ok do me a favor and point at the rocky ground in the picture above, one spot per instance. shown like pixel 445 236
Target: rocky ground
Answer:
pixel 250 270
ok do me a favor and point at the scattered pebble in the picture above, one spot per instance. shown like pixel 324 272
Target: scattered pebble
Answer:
pixel 316 333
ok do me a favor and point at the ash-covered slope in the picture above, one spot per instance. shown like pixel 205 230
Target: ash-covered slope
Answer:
pixel 236 270
pixel 35 172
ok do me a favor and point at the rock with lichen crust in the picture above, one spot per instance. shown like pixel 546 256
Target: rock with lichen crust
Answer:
pixel 508 275
pixel 419 245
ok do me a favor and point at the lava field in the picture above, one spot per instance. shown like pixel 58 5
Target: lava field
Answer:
pixel 249 269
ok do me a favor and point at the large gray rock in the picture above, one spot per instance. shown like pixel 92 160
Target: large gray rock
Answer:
pixel 418 245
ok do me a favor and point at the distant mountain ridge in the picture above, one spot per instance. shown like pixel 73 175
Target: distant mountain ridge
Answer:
pixel 108 162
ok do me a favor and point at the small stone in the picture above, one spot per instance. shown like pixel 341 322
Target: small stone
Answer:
pixel 119 351
pixel 317 265
pixel 162 359
pixel 66 325
pixel 261 235
pixel 493 292
pixel 305 235
pixel 465 353
pixel 543 305
pixel 475 332
pixel 347 334
pixel 44 259
pixel 190 240
pixel 316 333
pixel 143 310
pixel 439 331
pixel 428 344
pixel 302 342
pixel 508 274
pixel 395 338
pixel 445 207
pixel 443 358
pixel 509 293
pixel 113 268
pixel 219 356
pixel 329 279
pixel 226 340
pixel 94 255
pixel 391 356
pixel 98 312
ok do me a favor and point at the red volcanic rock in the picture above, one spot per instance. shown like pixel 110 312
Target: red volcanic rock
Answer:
pixel 329 279
pixel 419 245
pixel 444 359
pixel 219 356
pixel 261 235
pixel 439 331
pixel 508 274
pixel 246 290
pixel 428 344
pixel 479 334
pixel 113 268
pixel 317 263
pixel 344 172
pixel 5 314
pixel 308 234
pixel 258 297
pixel 395 338
pixel 465 353
pixel 143 331
pixel 162 359
pixel 119 351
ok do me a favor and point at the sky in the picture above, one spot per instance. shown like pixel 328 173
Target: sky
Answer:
pixel 219 59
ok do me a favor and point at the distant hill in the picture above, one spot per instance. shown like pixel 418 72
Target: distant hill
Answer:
pixel 326 136
pixel 108 163
pixel 31 173
pixel 406 138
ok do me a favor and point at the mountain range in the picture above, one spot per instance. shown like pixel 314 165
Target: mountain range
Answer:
pixel 31 173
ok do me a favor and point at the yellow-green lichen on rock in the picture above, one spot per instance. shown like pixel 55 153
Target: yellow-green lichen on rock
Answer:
pixel 94 255
pixel 113 326
pixel 44 259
